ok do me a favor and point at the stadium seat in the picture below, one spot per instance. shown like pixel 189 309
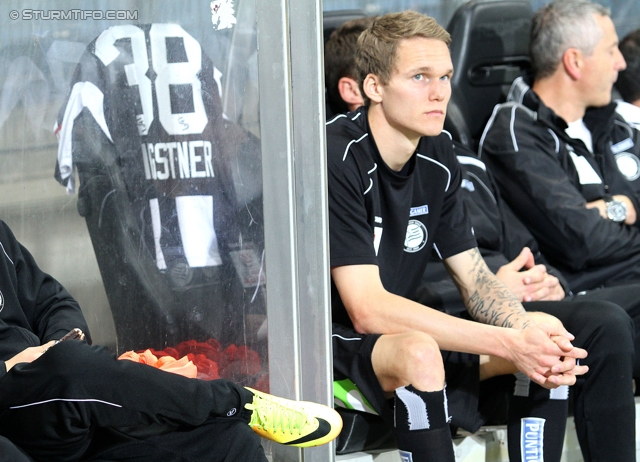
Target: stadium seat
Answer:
pixel 331 20
pixel 489 49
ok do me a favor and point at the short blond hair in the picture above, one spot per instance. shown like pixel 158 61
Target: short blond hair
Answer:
pixel 377 45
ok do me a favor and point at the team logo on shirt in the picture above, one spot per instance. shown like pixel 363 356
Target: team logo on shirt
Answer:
pixel 406 456
pixel 416 237
pixel 629 165
pixel 1 301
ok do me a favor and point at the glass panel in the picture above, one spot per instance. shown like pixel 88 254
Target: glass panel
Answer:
pixel 625 13
pixel 441 10
pixel 147 112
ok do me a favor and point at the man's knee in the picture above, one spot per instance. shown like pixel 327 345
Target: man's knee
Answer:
pixel 615 326
pixel 607 332
pixel 11 452
pixel 72 360
pixel 410 358
pixel 594 321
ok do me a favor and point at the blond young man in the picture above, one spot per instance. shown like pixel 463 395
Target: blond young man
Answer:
pixel 393 196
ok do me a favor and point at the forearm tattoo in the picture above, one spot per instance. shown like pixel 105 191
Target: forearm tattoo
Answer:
pixel 491 302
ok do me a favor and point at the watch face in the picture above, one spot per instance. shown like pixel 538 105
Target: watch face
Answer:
pixel 616 211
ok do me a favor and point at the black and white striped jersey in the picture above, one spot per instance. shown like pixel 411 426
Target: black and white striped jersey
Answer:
pixel 145 100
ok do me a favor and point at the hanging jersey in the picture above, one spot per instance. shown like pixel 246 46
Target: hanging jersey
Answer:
pixel 153 97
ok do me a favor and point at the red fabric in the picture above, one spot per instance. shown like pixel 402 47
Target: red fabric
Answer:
pixel 241 360
pixel 237 363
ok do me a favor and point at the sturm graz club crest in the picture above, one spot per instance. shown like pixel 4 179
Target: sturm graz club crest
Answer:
pixel 416 237
pixel 629 165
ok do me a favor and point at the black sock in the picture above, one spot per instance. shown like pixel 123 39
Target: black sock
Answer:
pixel 422 428
pixel 537 421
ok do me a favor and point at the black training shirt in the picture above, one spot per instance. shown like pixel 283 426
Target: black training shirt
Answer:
pixel 391 219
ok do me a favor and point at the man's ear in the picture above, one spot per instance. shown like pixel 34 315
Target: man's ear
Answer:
pixel 350 92
pixel 373 88
pixel 573 62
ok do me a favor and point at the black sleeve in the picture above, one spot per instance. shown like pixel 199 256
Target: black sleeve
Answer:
pixel 521 156
pixel 620 144
pixel 517 236
pixel 49 308
pixel 455 231
pixel 629 155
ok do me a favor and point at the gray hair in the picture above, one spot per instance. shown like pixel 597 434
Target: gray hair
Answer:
pixel 561 25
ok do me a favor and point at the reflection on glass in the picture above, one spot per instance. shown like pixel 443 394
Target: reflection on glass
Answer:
pixel 164 247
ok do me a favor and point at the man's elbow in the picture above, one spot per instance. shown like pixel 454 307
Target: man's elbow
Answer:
pixel 363 320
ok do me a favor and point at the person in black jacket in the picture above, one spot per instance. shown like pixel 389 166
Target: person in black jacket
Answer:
pixel 566 163
pixel 68 400
pixel 604 409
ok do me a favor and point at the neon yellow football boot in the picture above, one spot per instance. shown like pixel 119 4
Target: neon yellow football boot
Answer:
pixel 294 423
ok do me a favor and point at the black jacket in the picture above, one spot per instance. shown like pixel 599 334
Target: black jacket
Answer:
pixel 535 163
pixel 500 234
pixel 34 307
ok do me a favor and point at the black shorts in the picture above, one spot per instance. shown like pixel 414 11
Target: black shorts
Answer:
pixel 353 376
pixel 353 372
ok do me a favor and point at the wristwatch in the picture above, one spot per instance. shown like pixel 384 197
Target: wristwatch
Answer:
pixel 616 210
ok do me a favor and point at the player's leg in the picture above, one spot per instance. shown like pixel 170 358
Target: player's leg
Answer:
pixel 74 388
pixel 52 406
pixel 626 297
pixel 604 406
pixel 407 368
pixel 537 421
pixel 537 416
pixel 410 365
pixel 218 440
